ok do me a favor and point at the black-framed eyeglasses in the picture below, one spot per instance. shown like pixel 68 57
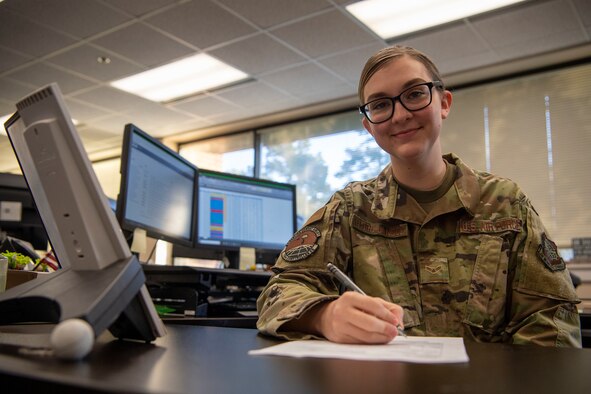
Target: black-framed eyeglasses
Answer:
pixel 414 98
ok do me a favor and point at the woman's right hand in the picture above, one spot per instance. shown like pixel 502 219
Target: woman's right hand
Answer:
pixel 352 318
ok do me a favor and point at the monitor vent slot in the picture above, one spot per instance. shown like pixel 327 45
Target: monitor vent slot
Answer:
pixel 34 98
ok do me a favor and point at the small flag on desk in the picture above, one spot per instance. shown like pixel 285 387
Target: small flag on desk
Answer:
pixel 50 261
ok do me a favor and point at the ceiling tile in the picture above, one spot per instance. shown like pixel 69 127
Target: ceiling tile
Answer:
pixel 27 37
pixel 193 124
pixel 41 74
pixel 83 59
pixel 349 64
pixel 267 13
pixel 277 106
pixel 233 116
pixel 330 93
pixel 201 23
pixel 155 116
pixel 538 45
pixel 458 39
pixel 206 107
pixel 139 7
pixel 143 45
pixel 454 47
pixel 114 124
pixel 111 99
pixel 77 18
pixel 93 134
pixel 10 59
pixel 468 62
pixel 6 108
pixel 257 54
pixel 525 24
pixel 302 80
pixel 253 94
pixel 584 11
pixel 13 91
pixel 331 31
pixel 82 111
pixel 99 139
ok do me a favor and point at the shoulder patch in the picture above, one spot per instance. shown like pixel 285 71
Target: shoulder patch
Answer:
pixel 548 253
pixel 302 245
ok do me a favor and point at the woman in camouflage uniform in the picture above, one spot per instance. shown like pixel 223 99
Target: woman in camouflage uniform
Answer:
pixel 439 248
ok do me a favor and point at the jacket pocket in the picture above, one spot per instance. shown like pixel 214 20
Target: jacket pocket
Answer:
pixel 376 255
pixel 485 308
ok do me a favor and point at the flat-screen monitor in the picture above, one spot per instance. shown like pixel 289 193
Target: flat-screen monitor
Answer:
pixel 238 211
pixel 19 217
pixel 157 191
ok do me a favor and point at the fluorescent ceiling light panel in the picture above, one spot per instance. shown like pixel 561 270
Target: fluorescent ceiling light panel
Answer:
pixel 180 79
pixel 393 18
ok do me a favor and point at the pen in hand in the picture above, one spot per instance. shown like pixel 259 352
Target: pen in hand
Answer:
pixel 349 284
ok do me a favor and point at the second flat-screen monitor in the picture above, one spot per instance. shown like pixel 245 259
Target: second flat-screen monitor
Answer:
pixel 157 191
pixel 201 211
pixel 236 211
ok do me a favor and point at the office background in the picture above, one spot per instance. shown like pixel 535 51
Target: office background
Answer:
pixel 521 77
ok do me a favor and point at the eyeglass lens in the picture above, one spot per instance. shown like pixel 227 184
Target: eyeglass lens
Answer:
pixel 413 99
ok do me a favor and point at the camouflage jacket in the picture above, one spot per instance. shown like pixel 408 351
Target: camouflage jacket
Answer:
pixel 479 265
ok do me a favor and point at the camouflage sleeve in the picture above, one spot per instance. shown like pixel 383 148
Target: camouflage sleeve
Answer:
pixel 542 309
pixel 301 279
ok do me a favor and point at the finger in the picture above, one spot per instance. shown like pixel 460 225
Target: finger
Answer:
pixel 354 334
pixel 369 324
pixel 382 309
pixel 372 305
pixel 397 312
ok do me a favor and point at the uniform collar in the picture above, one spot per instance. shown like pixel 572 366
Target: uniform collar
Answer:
pixel 391 202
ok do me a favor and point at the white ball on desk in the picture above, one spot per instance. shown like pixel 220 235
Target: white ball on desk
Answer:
pixel 72 339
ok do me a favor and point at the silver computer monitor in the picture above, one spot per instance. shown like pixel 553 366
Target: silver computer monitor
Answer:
pixel 100 281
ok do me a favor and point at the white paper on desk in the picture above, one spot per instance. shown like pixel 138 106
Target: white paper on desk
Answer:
pixel 410 349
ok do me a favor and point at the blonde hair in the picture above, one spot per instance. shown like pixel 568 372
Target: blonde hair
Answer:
pixel 386 55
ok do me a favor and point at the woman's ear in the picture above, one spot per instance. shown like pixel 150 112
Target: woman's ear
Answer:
pixel 446 99
pixel 367 126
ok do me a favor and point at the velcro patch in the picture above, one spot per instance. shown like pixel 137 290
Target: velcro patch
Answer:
pixel 490 226
pixel 389 231
pixel 302 245
pixel 434 270
pixel 548 253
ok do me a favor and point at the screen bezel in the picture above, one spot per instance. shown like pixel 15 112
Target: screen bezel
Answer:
pixel 129 225
pixel 244 179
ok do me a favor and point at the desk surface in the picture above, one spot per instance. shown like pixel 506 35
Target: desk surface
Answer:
pixel 215 360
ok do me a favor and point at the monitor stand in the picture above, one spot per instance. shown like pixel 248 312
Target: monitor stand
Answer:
pixel 111 298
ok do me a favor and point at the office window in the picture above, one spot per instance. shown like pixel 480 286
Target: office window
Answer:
pixel 234 153
pixel 320 156
pixel 535 130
